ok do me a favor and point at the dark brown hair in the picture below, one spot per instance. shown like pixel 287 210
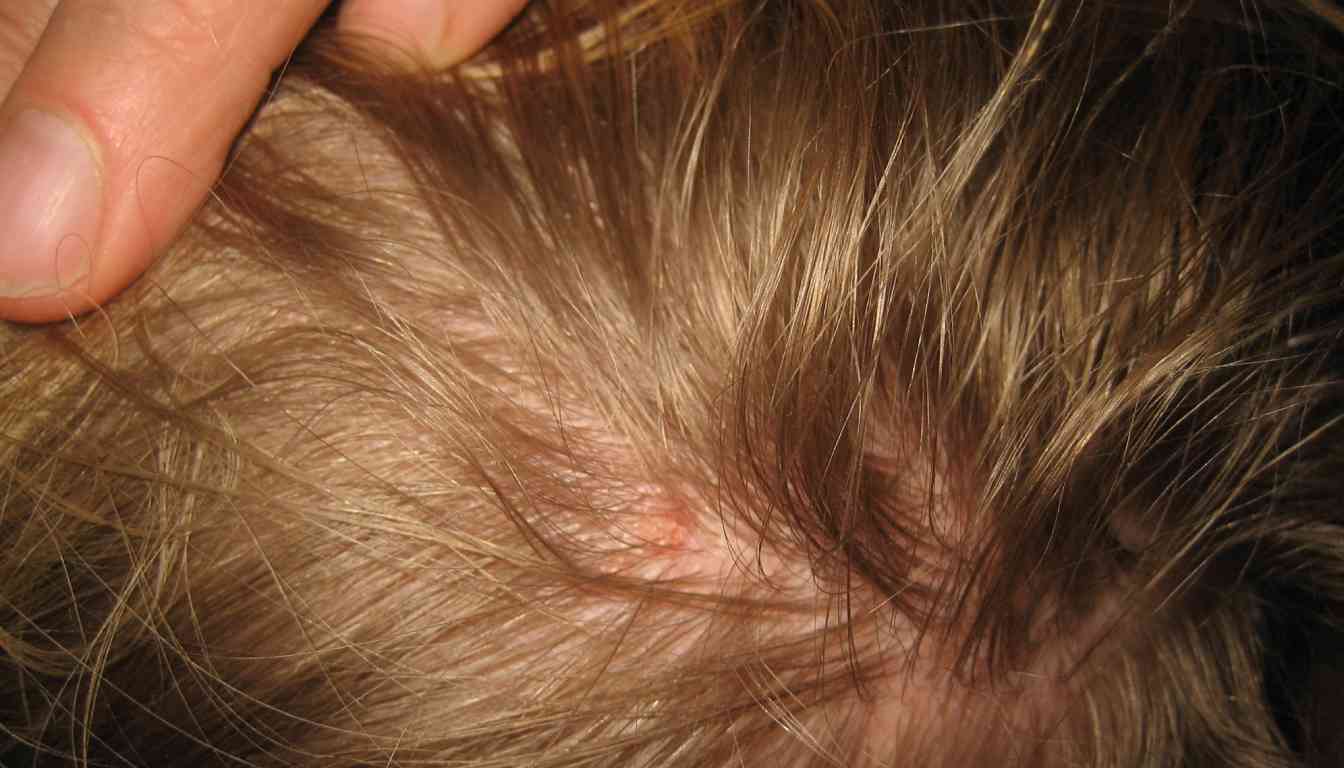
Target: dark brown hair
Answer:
pixel 700 383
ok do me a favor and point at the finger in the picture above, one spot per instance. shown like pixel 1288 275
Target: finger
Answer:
pixel 440 32
pixel 114 132
pixel 21 24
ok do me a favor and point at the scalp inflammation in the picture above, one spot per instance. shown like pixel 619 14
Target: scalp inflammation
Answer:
pixel 716 383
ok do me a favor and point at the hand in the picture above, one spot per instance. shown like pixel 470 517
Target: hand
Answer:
pixel 118 114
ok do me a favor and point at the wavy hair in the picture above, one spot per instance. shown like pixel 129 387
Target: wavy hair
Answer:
pixel 717 383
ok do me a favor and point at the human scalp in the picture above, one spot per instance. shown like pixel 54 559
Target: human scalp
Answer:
pixel 716 383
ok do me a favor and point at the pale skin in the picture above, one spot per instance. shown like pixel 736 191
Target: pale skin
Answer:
pixel 117 117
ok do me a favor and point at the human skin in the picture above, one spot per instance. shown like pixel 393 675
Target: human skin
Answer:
pixel 117 117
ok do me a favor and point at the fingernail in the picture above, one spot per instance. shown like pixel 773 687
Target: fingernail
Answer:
pixel 50 203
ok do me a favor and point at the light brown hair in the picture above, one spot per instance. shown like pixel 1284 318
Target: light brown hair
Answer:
pixel 716 383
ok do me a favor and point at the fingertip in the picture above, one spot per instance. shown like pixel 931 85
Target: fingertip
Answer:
pixel 76 291
pixel 471 25
pixel 154 93
pixel 73 235
pixel 75 232
pixel 51 200
pixel 439 33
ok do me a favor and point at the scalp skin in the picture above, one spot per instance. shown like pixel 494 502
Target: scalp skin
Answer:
pixel 715 384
